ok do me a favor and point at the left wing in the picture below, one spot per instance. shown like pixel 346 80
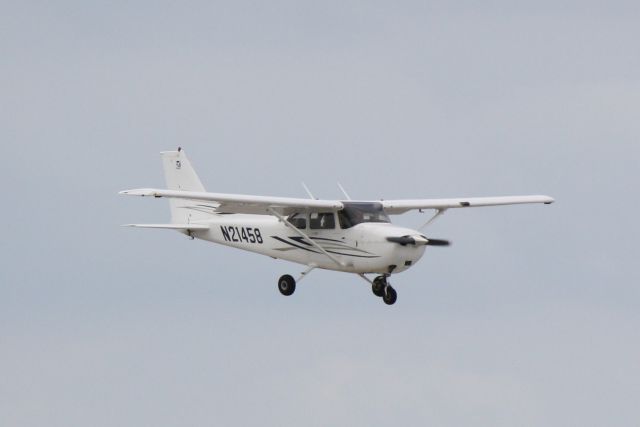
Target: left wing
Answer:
pixel 396 207
pixel 237 203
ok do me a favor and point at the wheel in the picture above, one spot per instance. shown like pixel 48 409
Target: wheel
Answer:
pixel 286 285
pixel 390 296
pixel 378 286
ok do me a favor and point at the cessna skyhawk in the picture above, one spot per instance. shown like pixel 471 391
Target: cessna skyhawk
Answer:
pixel 343 235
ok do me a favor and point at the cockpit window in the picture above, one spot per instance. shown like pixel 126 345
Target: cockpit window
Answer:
pixel 355 213
pixel 322 220
pixel 298 220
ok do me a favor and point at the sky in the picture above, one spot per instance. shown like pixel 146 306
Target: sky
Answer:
pixel 531 317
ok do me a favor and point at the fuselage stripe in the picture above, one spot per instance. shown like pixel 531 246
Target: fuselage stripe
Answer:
pixel 316 252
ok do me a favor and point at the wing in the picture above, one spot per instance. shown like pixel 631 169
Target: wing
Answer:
pixel 237 203
pixel 396 207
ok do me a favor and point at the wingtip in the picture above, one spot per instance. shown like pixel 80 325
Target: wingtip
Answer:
pixel 179 150
pixel 139 192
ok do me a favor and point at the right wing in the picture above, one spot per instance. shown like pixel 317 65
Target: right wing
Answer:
pixel 237 203
pixel 396 207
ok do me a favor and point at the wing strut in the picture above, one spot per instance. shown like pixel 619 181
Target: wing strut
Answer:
pixel 317 246
pixel 433 218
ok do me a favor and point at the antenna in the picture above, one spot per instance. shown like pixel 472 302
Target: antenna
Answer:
pixel 344 191
pixel 311 196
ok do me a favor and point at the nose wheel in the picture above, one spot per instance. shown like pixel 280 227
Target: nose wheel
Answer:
pixel 390 295
pixel 381 288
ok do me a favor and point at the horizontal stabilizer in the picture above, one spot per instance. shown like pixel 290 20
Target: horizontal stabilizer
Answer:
pixel 171 226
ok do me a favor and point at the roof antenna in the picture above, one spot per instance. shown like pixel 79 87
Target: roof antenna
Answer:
pixel 311 196
pixel 344 191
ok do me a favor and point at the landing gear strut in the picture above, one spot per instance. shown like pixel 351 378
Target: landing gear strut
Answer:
pixel 381 288
pixel 286 285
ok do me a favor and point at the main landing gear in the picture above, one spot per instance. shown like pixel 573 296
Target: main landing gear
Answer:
pixel 381 288
pixel 287 285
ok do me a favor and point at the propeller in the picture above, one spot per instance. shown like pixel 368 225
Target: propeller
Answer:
pixel 418 240
pixel 438 242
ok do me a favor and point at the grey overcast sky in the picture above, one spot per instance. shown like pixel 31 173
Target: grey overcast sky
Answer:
pixel 531 318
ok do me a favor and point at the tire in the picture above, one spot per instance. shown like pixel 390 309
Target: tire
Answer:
pixel 286 285
pixel 377 287
pixel 390 296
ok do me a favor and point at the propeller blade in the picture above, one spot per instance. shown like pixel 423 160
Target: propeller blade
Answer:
pixel 403 240
pixel 418 240
pixel 438 242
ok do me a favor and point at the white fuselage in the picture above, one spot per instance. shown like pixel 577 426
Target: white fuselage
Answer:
pixel 362 248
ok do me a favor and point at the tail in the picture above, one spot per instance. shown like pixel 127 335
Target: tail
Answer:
pixel 180 175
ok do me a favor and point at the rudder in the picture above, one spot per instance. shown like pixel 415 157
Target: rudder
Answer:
pixel 180 175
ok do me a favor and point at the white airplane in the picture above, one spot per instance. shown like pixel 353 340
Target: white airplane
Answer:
pixel 343 235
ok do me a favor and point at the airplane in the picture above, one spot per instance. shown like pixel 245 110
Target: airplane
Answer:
pixel 342 235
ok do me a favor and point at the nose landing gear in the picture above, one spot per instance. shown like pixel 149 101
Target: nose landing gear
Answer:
pixel 390 295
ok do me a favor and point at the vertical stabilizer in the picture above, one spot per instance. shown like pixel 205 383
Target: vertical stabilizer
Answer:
pixel 180 175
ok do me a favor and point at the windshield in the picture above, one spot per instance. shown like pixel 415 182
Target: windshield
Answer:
pixel 355 213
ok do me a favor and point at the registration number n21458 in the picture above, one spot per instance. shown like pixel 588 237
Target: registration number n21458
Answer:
pixel 241 234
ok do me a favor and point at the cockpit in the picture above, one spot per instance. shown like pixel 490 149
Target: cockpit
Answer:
pixel 354 213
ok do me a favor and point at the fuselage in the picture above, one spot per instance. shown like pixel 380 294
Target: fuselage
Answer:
pixel 362 248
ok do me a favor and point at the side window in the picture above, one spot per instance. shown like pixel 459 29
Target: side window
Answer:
pixel 314 220
pixel 327 221
pixel 298 220
pixel 322 221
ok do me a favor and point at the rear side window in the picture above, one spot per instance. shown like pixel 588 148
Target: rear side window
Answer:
pixel 298 220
